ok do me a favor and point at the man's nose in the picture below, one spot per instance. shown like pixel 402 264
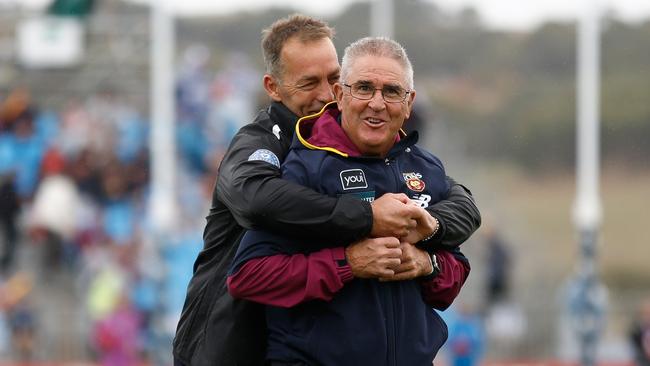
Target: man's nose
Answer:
pixel 325 93
pixel 377 101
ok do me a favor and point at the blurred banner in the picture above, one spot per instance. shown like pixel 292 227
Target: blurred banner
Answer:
pixel 50 42
pixel 72 8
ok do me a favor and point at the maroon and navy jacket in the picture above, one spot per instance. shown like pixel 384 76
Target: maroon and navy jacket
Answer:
pixel 317 312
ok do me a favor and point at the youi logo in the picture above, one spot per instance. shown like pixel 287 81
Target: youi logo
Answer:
pixel 353 179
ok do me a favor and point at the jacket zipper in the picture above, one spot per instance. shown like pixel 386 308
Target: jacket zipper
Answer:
pixel 391 358
pixel 393 165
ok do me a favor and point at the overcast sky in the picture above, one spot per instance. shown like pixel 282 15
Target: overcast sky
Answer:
pixel 508 14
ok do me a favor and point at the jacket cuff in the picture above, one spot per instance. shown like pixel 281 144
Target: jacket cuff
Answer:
pixel 343 269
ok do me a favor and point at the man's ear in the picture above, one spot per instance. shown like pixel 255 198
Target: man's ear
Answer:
pixel 338 93
pixel 271 85
pixel 409 103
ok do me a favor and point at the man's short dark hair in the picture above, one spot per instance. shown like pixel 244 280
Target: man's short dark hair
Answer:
pixel 306 28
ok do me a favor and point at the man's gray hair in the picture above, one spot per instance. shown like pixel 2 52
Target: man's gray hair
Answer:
pixel 379 47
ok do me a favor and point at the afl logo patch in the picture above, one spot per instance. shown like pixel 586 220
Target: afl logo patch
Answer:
pixel 415 184
pixel 353 179
pixel 265 155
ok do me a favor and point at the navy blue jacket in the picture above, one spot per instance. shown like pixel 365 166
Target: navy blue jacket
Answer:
pixel 368 322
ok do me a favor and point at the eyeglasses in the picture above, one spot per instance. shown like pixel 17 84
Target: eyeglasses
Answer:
pixel 366 91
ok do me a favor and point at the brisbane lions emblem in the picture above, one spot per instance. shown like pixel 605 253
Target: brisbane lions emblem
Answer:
pixel 415 184
pixel 414 181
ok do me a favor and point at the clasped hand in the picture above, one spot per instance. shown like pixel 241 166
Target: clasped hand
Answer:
pixel 390 254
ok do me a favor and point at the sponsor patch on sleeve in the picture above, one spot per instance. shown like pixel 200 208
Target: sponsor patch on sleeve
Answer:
pixel 265 155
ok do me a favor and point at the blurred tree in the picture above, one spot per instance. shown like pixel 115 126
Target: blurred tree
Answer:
pixel 511 94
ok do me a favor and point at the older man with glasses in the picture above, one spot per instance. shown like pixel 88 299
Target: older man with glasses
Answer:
pixel 322 306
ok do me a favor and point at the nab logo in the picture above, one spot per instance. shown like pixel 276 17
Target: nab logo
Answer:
pixel 353 179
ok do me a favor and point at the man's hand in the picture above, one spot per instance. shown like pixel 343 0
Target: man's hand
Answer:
pixel 426 225
pixel 393 215
pixel 373 258
pixel 414 263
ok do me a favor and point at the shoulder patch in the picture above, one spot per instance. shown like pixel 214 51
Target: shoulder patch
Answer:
pixel 265 155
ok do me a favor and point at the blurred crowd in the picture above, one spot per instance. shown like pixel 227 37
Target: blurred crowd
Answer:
pixel 74 189
pixel 76 180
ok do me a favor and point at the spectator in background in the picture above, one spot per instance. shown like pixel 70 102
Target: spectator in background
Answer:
pixel 504 318
pixel 20 315
pixel 193 85
pixel 233 99
pixel 498 262
pixel 192 90
pixel 116 336
pixel 466 341
pixel 53 217
pixel 640 335
pixel 9 200
pixel 419 119
pixel 9 211
pixel 25 149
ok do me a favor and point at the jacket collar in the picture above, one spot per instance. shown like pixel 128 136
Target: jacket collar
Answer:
pixel 283 117
pixel 323 131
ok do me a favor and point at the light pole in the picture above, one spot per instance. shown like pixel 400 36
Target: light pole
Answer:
pixel 162 200
pixel 381 18
pixel 587 296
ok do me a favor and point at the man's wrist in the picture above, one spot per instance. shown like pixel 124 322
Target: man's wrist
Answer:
pixel 432 267
pixel 435 267
pixel 435 229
